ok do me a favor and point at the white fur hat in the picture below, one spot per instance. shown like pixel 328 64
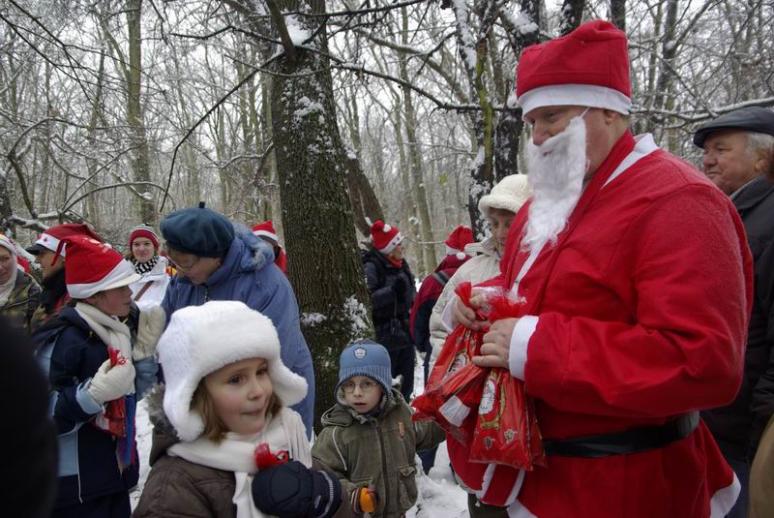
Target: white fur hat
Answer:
pixel 509 194
pixel 202 339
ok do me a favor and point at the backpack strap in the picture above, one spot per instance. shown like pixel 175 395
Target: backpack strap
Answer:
pixel 441 277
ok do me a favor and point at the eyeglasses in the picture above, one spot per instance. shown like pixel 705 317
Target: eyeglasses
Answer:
pixel 365 386
pixel 179 265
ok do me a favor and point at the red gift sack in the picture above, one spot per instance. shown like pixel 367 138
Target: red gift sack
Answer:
pixel 460 346
pixel 506 430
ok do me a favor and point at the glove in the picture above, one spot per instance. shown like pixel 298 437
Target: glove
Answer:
pixel 292 489
pixel 364 500
pixel 149 329
pixel 110 383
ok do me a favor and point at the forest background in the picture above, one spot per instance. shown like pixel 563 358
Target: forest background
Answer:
pixel 320 115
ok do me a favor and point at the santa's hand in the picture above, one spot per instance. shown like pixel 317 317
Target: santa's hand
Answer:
pixel 495 349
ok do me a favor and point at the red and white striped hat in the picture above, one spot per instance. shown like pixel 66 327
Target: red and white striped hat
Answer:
pixel 93 266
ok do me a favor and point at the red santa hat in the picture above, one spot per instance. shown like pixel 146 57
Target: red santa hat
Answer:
pixel 51 238
pixel 93 266
pixel 385 237
pixel 587 67
pixel 458 238
pixel 266 229
pixel 146 232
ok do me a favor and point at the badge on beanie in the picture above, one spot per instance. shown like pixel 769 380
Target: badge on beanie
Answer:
pixel 360 353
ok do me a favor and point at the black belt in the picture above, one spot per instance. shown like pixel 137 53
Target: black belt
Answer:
pixel 635 440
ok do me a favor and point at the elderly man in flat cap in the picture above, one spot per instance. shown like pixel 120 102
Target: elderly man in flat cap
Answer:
pixel 738 149
pixel 636 282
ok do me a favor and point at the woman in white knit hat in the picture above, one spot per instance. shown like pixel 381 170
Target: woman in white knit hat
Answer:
pixel 227 392
pixel 498 207
pixel 97 368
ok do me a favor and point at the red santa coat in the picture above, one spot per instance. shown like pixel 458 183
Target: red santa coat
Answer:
pixel 642 310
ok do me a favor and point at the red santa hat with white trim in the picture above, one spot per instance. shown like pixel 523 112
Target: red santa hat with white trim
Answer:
pixel 385 237
pixel 51 237
pixel 587 67
pixel 458 238
pixel 266 229
pixel 93 266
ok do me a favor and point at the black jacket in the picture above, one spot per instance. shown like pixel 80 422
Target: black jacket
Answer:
pixel 740 425
pixel 392 294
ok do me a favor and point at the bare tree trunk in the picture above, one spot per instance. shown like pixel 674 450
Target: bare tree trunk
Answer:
pixel 571 15
pixel 316 213
pixel 618 13
pixel 134 116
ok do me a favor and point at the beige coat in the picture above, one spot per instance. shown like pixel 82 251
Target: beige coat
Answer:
pixel 762 476
pixel 483 266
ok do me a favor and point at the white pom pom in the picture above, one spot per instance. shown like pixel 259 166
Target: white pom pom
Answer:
pixel 386 228
pixel 461 255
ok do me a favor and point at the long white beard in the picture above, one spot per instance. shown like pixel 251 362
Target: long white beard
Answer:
pixel 556 170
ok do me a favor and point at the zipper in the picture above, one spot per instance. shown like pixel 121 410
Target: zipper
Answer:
pixel 385 475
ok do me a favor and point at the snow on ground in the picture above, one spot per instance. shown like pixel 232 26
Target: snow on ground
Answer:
pixel 439 495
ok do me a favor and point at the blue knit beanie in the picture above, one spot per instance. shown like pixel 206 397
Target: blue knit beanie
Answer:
pixel 366 358
pixel 198 231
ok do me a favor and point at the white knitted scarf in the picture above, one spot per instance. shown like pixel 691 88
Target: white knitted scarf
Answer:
pixel 284 431
pixel 111 331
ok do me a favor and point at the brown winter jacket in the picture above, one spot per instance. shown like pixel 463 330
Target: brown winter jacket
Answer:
pixel 22 302
pixel 177 488
pixel 379 452
pixel 762 477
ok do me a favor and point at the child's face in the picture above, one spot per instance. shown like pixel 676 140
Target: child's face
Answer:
pixel 362 393
pixel 241 394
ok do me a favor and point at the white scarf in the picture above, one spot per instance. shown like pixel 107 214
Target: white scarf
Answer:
pixel 284 431
pixel 111 331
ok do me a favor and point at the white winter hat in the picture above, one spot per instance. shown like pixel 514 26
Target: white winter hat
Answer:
pixel 510 194
pixel 202 339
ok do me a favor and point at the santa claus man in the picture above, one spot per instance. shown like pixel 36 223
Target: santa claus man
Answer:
pixel 635 279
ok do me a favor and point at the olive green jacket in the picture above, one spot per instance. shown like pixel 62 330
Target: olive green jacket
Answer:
pixel 22 302
pixel 376 451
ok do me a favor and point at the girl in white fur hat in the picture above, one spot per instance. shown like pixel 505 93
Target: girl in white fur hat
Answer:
pixel 227 391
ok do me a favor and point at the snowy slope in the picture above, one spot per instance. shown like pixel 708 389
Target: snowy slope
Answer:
pixel 439 495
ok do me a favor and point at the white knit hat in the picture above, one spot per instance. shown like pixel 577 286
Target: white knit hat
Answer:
pixel 202 339
pixel 510 194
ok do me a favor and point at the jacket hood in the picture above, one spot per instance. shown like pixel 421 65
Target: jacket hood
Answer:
pixel 247 253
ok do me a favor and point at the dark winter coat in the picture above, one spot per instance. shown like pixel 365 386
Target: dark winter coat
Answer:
pixel 392 294
pixel 248 274
pixel 22 302
pixel 28 473
pixel 429 291
pixel 740 424
pixel 53 297
pixel 376 451
pixel 70 354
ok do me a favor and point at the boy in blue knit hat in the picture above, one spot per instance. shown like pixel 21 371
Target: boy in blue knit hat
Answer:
pixel 368 438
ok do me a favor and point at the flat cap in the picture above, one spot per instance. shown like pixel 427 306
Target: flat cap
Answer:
pixel 198 231
pixel 751 118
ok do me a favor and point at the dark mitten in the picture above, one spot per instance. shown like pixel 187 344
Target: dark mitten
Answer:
pixel 293 490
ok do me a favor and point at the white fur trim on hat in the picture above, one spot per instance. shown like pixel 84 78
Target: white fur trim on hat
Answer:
pixel 266 233
pixel 592 96
pixel 122 274
pixel 395 241
pixel 49 242
pixel 202 339
pixel 509 194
